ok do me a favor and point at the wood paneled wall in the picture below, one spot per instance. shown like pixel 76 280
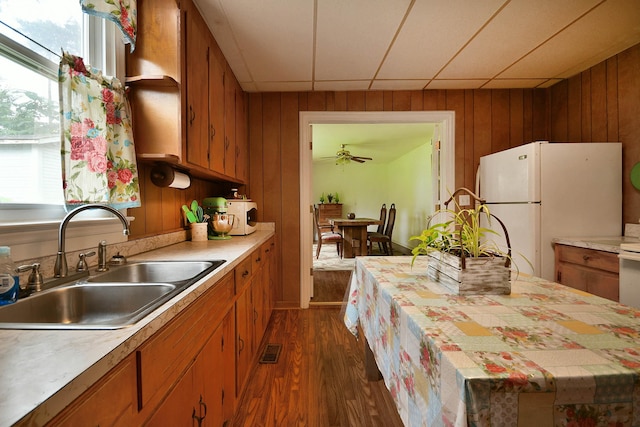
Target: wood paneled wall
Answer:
pixel 161 210
pixel 603 104
pixel 486 121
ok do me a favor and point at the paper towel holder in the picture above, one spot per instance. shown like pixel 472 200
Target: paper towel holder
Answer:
pixel 163 175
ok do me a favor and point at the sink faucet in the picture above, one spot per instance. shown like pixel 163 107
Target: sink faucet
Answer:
pixel 60 269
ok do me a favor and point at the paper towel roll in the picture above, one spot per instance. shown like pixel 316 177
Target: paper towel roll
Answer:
pixel 180 180
pixel 166 176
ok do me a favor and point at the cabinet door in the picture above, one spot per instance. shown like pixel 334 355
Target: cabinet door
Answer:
pixel 197 83
pixel 179 407
pixel 216 109
pixel 242 140
pixel 230 123
pixel 244 338
pixel 218 373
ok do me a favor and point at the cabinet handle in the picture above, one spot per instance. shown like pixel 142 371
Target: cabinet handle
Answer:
pixel 201 405
pixel 586 257
pixel 258 259
pixel 192 115
pixel 245 273
pixel 241 342
pixel 255 315
pixel 213 131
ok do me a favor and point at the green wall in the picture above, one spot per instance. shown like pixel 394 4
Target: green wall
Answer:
pixel 363 188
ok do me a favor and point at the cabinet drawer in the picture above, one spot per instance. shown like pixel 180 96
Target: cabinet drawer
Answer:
pixel 243 273
pixel 600 260
pixel 110 402
pixel 597 282
pixel 257 259
pixel 165 356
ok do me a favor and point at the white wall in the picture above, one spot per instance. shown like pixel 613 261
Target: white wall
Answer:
pixel 411 189
pixel 363 188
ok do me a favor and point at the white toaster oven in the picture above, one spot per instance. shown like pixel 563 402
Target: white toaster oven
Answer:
pixel 246 214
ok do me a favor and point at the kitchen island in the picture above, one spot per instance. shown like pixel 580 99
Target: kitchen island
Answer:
pixel 545 355
pixel 44 371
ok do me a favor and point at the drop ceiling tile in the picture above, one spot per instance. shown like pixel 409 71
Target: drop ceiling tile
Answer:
pixel 399 84
pixel 456 84
pixel 519 28
pixel 353 36
pixel 583 44
pixel 276 37
pixel 513 83
pixel 341 85
pixel 434 31
pixel 218 24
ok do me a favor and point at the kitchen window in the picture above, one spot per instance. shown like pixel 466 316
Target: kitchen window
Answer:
pixel 33 34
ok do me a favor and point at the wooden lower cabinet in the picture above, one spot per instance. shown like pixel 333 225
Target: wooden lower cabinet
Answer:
pixel 244 337
pixel 253 310
pixel 327 211
pixel 190 372
pixel 204 396
pixel 589 270
pixel 118 387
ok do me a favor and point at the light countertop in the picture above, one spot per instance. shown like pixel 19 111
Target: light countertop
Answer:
pixel 42 371
pixel 607 244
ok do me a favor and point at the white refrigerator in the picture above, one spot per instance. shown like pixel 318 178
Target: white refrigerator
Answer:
pixel 544 190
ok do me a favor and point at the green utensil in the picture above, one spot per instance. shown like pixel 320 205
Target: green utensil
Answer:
pixel 190 216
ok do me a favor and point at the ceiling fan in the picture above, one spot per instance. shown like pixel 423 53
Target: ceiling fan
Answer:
pixel 344 156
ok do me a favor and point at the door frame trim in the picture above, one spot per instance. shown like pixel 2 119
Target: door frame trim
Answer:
pixel 446 120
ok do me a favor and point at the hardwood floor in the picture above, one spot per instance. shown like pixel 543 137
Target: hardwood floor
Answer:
pixel 330 286
pixel 319 378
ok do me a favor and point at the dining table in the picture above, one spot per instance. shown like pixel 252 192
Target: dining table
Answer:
pixel 354 234
pixel 544 355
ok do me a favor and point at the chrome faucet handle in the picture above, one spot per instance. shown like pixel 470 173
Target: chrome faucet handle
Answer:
pixel 102 256
pixel 82 262
pixel 35 280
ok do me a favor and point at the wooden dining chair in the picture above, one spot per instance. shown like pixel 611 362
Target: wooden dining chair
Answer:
pixel 326 234
pixel 384 239
pixel 380 229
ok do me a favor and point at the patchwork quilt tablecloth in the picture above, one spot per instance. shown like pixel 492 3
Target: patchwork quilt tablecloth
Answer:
pixel 546 355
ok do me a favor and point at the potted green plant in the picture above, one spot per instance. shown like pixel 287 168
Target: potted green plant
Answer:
pixel 322 198
pixel 330 197
pixel 461 257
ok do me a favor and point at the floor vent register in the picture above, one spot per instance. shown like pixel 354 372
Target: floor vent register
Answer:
pixel 271 353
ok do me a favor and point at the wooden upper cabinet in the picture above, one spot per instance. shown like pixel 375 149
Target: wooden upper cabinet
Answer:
pixel 242 139
pixel 217 129
pixel 179 77
pixel 230 84
pixel 197 83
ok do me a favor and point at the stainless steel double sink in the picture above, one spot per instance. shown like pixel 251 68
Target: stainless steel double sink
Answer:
pixel 114 299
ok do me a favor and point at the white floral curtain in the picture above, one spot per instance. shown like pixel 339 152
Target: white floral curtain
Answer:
pixel 98 155
pixel 124 13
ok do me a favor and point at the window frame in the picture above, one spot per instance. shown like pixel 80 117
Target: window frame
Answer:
pixel 31 229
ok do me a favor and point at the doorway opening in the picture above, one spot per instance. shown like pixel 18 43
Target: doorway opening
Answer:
pixel 443 168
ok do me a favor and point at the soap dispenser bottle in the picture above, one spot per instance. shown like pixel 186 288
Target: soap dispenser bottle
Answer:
pixel 9 281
